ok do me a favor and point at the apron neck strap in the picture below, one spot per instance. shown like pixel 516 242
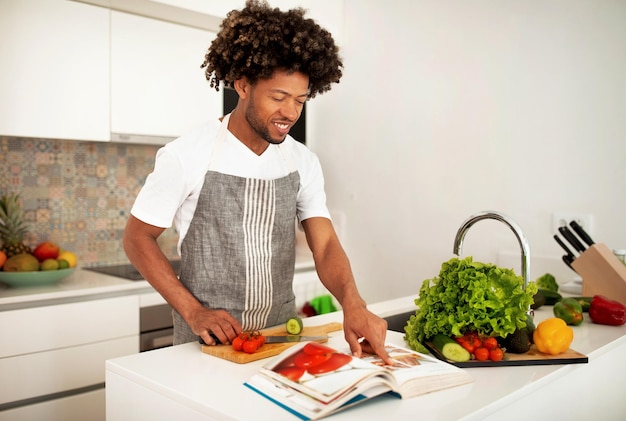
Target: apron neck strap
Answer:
pixel 220 140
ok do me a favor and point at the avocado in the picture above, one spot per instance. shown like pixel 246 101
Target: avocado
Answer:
pixel 519 341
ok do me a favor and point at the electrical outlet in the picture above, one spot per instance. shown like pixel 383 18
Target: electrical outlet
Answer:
pixel 560 219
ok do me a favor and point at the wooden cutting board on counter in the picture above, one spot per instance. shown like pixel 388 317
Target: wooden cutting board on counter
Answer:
pixel 532 357
pixel 268 350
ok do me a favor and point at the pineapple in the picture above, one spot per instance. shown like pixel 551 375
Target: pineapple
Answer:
pixel 12 225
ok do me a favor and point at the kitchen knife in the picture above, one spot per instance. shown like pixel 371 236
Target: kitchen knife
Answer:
pixel 582 233
pixel 571 238
pixel 562 244
pixel 293 338
pixel 568 259
pixel 277 339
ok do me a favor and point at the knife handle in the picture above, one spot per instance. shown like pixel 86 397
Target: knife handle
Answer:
pixel 571 238
pixel 563 246
pixel 582 233
pixel 217 341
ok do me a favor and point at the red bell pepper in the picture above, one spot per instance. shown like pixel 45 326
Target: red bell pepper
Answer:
pixel 607 312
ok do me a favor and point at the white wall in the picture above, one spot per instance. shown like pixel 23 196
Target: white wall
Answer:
pixel 447 108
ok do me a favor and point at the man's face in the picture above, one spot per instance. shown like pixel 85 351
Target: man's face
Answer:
pixel 274 105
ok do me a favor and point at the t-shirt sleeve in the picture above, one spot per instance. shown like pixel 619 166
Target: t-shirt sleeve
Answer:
pixel 311 197
pixel 159 199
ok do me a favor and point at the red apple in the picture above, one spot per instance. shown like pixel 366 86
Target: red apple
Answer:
pixel 46 250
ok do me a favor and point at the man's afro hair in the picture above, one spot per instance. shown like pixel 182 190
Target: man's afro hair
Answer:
pixel 257 40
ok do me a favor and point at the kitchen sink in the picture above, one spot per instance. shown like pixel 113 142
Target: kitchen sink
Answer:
pixel 396 322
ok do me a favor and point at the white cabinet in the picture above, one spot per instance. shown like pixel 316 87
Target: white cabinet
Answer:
pixel 55 69
pixel 56 353
pixel 157 86
pixel 72 70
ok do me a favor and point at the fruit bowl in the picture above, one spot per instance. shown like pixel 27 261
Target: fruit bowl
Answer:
pixel 36 278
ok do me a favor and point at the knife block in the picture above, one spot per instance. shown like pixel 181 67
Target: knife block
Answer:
pixel 602 272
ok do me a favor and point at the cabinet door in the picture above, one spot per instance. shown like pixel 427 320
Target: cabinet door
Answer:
pixel 55 69
pixel 60 326
pixel 157 86
pixel 84 406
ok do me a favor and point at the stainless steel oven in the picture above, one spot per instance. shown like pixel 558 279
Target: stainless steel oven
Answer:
pixel 156 327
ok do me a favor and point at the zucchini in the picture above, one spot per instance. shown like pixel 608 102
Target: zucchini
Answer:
pixel 585 302
pixel 450 349
pixel 552 297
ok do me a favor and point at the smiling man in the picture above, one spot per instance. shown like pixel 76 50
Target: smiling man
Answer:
pixel 235 187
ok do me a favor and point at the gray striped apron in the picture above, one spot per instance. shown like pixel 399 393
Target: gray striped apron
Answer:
pixel 239 252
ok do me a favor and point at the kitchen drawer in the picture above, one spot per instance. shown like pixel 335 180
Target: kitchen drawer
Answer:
pixel 61 370
pixel 51 327
pixel 84 406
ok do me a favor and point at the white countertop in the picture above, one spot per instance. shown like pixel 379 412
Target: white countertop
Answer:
pixel 214 387
pixel 82 284
pixel 86 284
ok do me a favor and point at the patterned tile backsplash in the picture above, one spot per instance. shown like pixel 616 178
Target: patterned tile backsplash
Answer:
pixel 78 194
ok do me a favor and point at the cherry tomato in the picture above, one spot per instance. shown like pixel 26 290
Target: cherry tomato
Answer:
pixel 496 354
pixel 313 348
pixel 333 363
pixel 304 360
pixel 476 342
pixel 468 346
pixel 250 346
pixel 238 344
pixel 292 373
pixel 481 354
pixel 490 343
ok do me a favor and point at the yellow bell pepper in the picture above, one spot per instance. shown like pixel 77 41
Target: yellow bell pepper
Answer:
pixel 553 336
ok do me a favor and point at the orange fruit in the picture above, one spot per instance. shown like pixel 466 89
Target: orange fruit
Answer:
pixel 3 258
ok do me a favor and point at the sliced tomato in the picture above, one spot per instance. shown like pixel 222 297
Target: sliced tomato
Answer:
pixel 292 373
pixel 333 363
pixel 287 362
pixel 304 360
pixel 313 348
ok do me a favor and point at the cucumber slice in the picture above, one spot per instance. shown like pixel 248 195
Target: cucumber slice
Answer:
pixel 450 349
pixel 294 326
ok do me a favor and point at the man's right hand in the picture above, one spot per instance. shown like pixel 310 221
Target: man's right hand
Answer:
pixel 204 322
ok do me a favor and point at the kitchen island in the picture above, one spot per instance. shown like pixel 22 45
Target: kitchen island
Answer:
pixel 181 382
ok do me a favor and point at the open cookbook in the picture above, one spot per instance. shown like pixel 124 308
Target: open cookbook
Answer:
pixel 312 380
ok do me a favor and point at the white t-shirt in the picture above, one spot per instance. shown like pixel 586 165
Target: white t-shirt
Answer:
pixel 170 193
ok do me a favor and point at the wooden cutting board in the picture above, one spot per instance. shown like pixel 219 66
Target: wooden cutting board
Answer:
pixel 268 350
pixel 532 357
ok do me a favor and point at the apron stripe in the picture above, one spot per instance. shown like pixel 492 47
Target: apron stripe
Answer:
pixel 258 220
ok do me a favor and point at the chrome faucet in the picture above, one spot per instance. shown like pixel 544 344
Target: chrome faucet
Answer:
pixel 521 238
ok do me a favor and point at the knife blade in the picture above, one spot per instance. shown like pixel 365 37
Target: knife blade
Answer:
pixel 277 339
pixel 293 338
pixel 582 233
pixel 571 238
